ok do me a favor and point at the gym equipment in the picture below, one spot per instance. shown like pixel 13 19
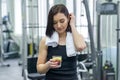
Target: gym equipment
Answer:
pixel 85 57
pixel 84 64
pixel 83 73
pixel 31 49
pixel 30 40
pixel 31 69
pixel 108 8
pixel 92 46
pixel 2 64
pixel 108 71
pixel 11 48
pixel 118 42
pixel 92 57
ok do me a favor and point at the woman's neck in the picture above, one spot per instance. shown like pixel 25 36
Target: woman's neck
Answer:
pixel 62 39
pixel 62 35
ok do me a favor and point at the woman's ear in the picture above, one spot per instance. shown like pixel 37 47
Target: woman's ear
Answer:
pixel 68 27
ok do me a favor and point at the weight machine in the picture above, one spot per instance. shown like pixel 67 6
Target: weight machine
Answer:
pixel 92 46
pixel 96 56
pixel 30 29
pixel 1 40
pixel 118 43
pixel 107 9
pixel 10 47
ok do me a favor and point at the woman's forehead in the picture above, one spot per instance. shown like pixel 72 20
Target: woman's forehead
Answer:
pixel 59 16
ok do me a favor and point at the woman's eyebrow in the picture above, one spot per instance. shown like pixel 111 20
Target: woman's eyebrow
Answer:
pixel 59 20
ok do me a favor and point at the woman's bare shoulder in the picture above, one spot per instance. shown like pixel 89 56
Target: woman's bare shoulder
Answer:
pixel 43 40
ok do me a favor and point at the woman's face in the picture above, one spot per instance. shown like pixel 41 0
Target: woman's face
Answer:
pixel 60 22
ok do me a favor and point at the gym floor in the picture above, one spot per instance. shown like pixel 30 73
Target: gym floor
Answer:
pixel 13 72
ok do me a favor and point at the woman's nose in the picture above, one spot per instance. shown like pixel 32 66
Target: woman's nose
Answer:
pixel 58 25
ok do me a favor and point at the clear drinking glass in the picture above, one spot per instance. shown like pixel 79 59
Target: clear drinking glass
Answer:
pixel 57 59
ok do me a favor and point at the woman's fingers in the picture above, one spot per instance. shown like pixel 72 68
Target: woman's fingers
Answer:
pixel 53 64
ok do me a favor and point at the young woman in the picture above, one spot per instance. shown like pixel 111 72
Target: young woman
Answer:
pixel 60 21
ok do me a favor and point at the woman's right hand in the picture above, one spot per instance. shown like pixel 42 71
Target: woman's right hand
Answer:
pixel 52 64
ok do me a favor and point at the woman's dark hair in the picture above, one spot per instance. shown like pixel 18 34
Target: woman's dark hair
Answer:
pixel 58 8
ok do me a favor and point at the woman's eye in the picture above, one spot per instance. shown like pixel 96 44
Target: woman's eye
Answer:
pixel 62 21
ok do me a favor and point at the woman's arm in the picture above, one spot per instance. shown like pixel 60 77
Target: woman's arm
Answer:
pixel 77 38
pixel 42 66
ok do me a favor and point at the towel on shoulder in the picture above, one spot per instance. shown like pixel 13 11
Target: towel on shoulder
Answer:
pixel 70 48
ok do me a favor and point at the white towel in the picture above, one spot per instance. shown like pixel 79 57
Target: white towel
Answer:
pixel 70 48
pixel 53 41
